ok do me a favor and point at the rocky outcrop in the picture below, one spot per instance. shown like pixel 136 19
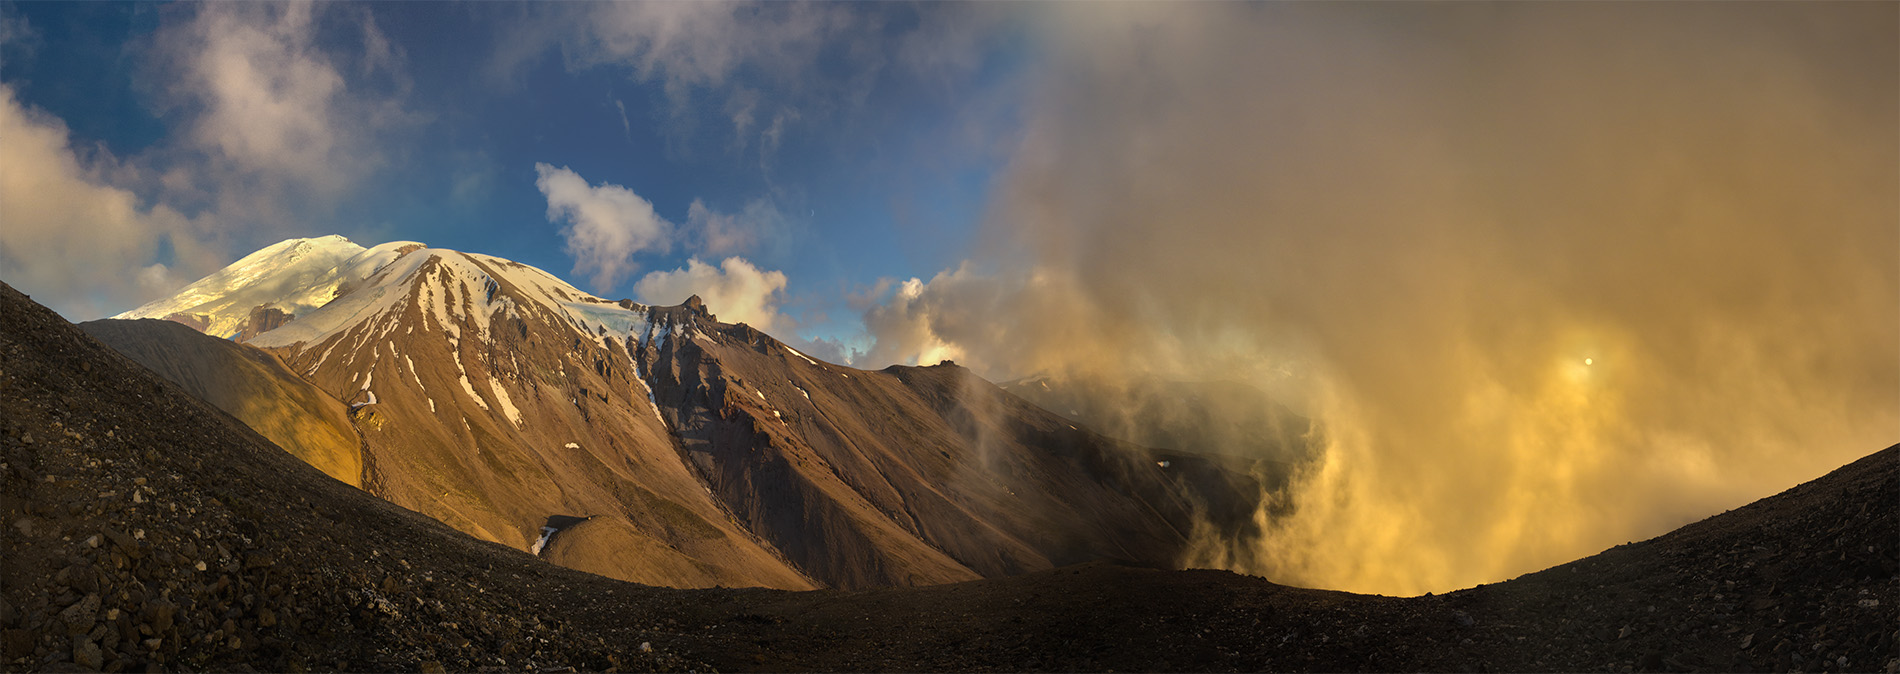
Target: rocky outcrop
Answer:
pixel 262 319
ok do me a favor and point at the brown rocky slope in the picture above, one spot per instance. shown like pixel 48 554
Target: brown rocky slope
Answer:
pixel 249 384
pixel 485 406
pixel 118 486
pixel 904 476
pixel 497 398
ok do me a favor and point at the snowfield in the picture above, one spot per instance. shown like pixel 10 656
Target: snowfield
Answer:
pixel 295 276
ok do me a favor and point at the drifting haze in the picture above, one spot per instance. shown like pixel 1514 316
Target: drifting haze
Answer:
pixel 1432 214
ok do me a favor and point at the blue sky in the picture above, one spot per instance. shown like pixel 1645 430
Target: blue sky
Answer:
pixel 838 144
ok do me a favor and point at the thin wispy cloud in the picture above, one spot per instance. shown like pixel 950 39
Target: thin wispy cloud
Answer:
pixel 625 126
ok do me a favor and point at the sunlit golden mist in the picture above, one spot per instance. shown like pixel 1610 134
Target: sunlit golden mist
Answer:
pixel 1432 214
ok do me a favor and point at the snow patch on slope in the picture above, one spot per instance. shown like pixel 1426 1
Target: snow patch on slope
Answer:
pixel 542 542
pixel 597 318
pixel 653 403
pixel 462 376
pixel 507 404
pixel 471 393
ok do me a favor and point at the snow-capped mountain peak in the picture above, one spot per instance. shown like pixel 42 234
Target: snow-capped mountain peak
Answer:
pixel 457 291
pixel 278 283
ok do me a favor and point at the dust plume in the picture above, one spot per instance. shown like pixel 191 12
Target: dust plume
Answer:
pixel 1550 276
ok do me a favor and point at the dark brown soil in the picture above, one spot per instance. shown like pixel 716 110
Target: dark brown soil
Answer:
pixel 118 486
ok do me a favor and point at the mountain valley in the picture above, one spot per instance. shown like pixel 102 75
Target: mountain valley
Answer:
pixel 147 528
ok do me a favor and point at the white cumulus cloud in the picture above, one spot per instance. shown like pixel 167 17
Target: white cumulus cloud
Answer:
pixel 69 235
pixel 605 224
pixel 269 134
pixel 278 125
pixel 736 291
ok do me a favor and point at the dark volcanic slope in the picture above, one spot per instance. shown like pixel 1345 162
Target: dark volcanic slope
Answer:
pixel 300 571
pixel 142 526
pixel 1212 418
pixel 247 383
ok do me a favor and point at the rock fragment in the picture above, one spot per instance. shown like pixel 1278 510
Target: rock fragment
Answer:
pixel 80 617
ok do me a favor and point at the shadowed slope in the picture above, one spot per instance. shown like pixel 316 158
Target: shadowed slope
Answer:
pixel 905 476
pixel 1797 581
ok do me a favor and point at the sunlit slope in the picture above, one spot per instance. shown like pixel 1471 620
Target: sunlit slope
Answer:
pixel 247 383
pixel 494 396
pixel 119 486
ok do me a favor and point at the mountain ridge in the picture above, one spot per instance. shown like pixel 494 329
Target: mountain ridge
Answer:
pixel 493 396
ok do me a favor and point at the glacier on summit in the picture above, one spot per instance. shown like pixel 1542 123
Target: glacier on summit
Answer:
pixel 329 283
pixel 295 276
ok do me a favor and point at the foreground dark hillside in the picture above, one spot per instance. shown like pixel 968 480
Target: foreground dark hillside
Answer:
pixel 143 527
pixel 146 527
